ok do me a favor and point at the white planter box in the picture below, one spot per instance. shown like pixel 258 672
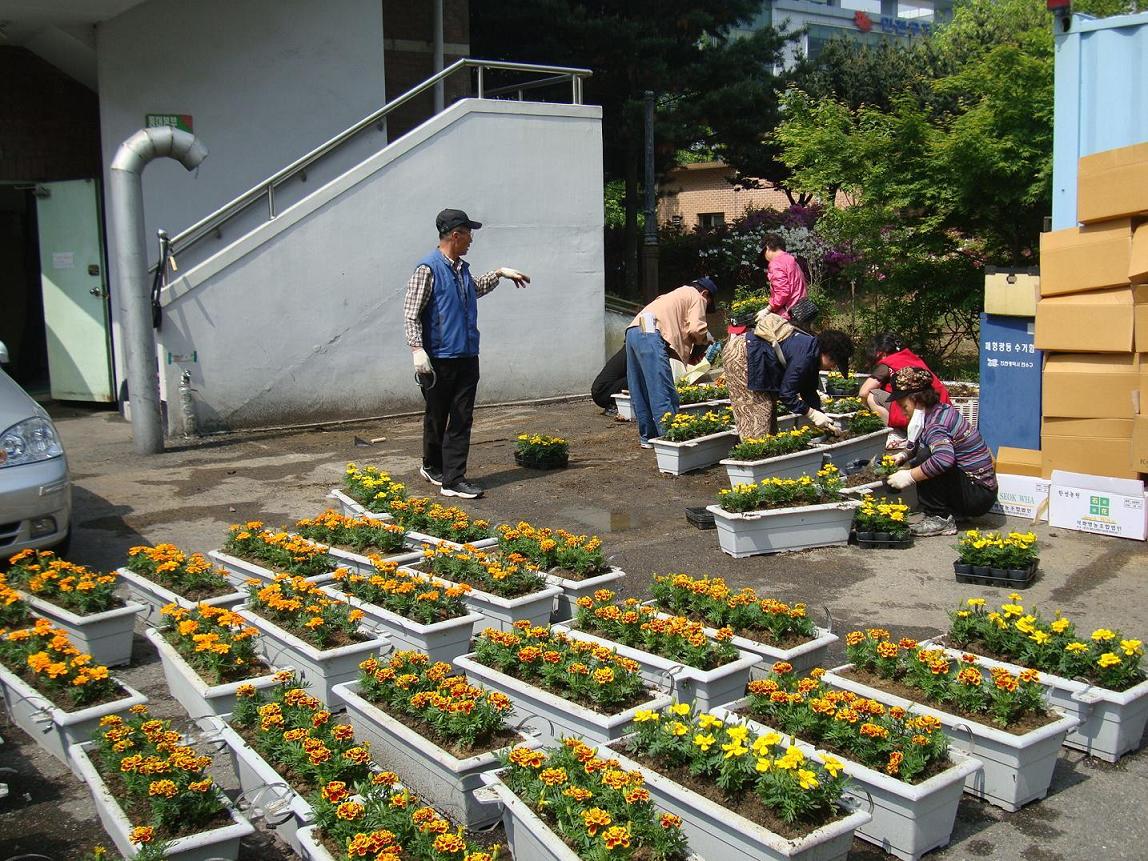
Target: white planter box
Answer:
pixel 566 603
pixel 360 564
pixel 106 636
pixel 793 465
pixel 239 571
pixel 198 698
pixel 625 406
pixel 553 716
pixel 322 669
pixel 908 819
pixel 441 641
pixel 754 532
pixel 716 832
pixel 502 613
pixel 155 597
pixel 51 727
pixel 1017 768
pixel 677 458
pixel 1111 723
pixel 705 688
pixel 283 810
pixel 804 656
pixel 348 507
pixel 705 406
pixel 446 782
pixel 864 447
pixel 214 845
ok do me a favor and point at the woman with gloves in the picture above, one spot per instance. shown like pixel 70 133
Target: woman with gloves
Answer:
pixel 949 462
pixel 889 356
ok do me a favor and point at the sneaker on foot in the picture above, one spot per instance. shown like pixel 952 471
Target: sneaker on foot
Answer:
pixel 434 476
pixel 610 411
pixel 934 525
pixel 645 444
pixel 462 488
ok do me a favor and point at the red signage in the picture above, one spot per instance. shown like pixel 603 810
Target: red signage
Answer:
pixel 863 21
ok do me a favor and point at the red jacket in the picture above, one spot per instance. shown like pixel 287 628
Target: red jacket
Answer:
pixel 908 359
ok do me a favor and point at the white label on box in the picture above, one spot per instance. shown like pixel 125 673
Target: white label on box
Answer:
pixel 1022 496
pixel 1098 511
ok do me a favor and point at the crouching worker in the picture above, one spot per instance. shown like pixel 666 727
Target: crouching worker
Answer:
pixel 949 462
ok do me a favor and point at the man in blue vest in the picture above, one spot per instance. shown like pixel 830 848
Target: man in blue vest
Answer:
pixel 440 320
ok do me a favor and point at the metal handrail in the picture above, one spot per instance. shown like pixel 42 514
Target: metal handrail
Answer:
pixel 186 238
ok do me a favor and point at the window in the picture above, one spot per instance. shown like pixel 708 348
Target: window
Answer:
pixel 711 219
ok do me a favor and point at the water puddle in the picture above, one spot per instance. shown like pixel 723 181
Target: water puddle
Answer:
pixel 601 520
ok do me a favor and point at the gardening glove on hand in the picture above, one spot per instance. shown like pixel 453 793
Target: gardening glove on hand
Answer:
pixel 421 360
pixel 520 279
pixel 823 422
pixel 901 479
pixel 901 457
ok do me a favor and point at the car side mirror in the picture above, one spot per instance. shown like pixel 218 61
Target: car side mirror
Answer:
pixel 3 354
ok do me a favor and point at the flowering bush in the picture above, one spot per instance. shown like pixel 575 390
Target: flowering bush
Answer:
pixel 598 809
pixel 156 777
pixel 1017 550
pixel 1002 697
pixel 688 394
pixel 409 685
pixel 837 406
pixel 362 534
pixel 686 426
pixel 864 422
pixel 192 577
pixel 377 491
pixel 507 576
pixel 71 586
pixel 784 492
pixel 1011 633
pixel 837 384
pixel 886 738
pixel 13 610
pixel 372 487
pixel 637 625
pixel 877 515
pixel 387 822
pixel 794 787
pixel 303 609
pixel 547 549
pixel 216 642
pixel 45 658
pixel 773 445
pixel 298 737
pixel 541 450
pixel 279 551
pixel 405 593
pixel 573 669
pixel 711 601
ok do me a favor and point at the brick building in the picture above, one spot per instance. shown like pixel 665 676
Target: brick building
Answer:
pixel 703 195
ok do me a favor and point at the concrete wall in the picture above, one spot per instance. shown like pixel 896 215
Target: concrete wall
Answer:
pixel 301 320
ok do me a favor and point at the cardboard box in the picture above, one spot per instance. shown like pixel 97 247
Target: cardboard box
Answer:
pixel 1022 496
pixel 1138 263
pixel 1011 294
pixel 1112 184
pixel 1091 385
pixel 1106 506
pixel 1081 259
pixel 1018 461
pixel 1094 446
pixel 1140 443
pixel 1098 322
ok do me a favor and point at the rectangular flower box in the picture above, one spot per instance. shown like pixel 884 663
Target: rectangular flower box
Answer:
pixel 106 636
pixel 360 564
pixel 1017 768
pixel 322 669
pixel 441 641
pixel 51 727
pixel 239 571
pixel 705 406
pixel 350 508
pixel 198 698
pixel 566 603
pixel 552 716
pixel 864 447
pixel 216 844
pixel 705 688
pixel 502 613
pixel 716 832
pixel 1111 722
pixel 155 597
pixel 751 533
pixel 625 406
pixel 908 819
pixel 678 458
pixel 793 465
pixel 446 782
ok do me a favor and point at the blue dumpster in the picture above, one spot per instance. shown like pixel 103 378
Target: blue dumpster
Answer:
pixel 1010 383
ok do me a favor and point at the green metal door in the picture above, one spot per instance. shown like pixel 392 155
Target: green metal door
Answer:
pixel 75 290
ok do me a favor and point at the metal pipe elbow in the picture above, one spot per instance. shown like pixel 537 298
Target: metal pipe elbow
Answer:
pixel 158 142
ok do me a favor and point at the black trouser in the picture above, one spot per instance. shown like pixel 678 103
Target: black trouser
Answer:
pixel 952 492
pixel 448 417
pixel 610 380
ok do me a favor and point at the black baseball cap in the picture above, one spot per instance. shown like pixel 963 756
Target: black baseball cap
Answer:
pixel 449 219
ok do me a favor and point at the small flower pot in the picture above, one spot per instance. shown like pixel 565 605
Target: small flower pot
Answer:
pixel 106 636
pixel 867 535
pixel 559 461
pixel 982 571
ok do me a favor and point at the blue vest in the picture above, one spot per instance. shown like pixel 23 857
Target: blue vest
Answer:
pixel 450 318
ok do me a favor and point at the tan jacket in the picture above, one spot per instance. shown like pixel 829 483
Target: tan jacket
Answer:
pixel 681 318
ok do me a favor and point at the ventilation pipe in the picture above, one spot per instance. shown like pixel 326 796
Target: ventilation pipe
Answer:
pixel 126 191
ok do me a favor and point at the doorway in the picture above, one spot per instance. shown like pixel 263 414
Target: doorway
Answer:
pixel 22 322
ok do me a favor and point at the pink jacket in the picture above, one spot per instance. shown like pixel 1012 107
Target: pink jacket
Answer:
pixel 786 283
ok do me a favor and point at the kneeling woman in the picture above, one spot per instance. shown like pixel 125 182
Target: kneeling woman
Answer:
pixel 949 463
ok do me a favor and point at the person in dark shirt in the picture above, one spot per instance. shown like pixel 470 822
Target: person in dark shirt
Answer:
pixel 790 369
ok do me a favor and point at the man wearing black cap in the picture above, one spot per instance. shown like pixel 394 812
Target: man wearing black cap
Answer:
pixel 440 320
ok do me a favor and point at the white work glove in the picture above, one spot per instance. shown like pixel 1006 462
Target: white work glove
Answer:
pixel 823 422
pixel 901 479
pixel 520 279
pixel 421 360
pixel 900 458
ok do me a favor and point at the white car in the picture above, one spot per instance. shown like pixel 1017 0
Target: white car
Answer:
pixel 35 486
